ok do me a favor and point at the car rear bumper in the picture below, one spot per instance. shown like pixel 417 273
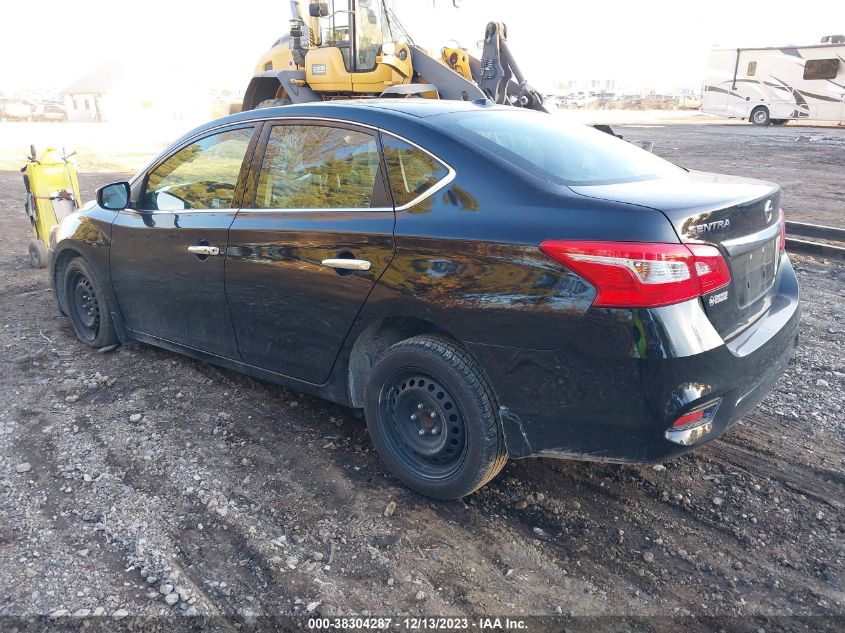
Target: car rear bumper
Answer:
pixel 626 375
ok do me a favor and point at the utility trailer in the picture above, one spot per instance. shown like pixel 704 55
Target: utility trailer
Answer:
pixel 775 85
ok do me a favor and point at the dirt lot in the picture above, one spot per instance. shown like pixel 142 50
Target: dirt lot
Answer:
pixel 137 478
pixel 808 162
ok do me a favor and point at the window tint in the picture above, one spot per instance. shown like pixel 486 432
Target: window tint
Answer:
pixel 202 175
pixel 821 69
pixel 752 69
pixel 554 150
pixel 412 171
pixel 317 167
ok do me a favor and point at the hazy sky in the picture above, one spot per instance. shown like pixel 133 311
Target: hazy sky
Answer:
pixel 660 43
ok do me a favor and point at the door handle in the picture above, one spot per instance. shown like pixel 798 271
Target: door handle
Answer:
pixel 204 250
pixel 347 264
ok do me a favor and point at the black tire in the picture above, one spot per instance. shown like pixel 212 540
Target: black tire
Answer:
pixel 38 256
pixel 780 121
pixel 436 379
pixel 273 103
pixel 87 305
pixel 760 116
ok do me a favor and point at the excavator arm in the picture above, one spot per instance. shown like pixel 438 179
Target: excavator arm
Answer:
pixel 498 74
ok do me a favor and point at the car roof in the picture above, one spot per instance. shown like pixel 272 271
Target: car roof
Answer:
pixel 368 111
pixel 361 110
pixel 420 108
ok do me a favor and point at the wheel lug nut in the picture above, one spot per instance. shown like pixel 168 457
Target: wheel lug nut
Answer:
pixel 413 417
pixel 422 431
pixel 433 414
pixel 420 405
pixel 434 431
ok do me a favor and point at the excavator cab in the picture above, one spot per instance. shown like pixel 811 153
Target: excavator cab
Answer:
pixel 346 48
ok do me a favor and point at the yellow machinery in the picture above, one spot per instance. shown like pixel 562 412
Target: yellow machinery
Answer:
pixel 52 192
pixel 357 49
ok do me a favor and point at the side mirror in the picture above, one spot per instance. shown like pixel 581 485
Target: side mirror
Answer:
pixel 318 9
pixel 114 197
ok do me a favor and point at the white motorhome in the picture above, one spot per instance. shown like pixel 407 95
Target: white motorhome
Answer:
pixel 776 85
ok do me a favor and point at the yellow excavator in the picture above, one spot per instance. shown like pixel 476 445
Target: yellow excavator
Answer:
pixel 344 49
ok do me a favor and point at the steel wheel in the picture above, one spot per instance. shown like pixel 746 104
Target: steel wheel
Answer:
pixel 433 417
pixel 85 301
pixel 422 424
pixel 83 304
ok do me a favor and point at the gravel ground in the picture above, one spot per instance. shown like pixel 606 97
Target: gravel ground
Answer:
pixel 140 484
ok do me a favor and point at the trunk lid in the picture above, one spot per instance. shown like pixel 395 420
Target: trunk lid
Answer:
pixel 740 216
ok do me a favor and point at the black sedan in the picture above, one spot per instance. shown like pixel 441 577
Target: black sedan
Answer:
pixel 483 282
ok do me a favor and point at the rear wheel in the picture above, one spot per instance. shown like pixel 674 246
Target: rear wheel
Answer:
pixel 38 255
pixel 433 418
pixel 273 103
pixel 87 305
pixel 760 116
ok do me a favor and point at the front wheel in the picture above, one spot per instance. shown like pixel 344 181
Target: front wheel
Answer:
pixel 760 116
pixel 87 305
pixel 433 418
pixel 273 103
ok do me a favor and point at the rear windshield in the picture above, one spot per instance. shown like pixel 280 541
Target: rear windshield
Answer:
pixel 555 150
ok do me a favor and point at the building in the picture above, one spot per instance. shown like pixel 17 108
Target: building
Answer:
pixel 121 92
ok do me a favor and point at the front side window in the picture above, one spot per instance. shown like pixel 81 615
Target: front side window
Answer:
pixel 202 175
pixel 411 171
pixel 821 69
pixel 318 167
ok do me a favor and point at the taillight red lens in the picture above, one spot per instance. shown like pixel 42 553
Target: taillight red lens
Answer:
pixel 641 274
pixel 710 266
pixel 782 231
pixel 700 416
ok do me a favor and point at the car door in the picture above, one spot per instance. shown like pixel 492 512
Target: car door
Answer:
pixel 168 253
pixel 305 255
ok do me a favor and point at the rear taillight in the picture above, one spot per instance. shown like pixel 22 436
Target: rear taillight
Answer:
pixel 640 274
pixel 782 241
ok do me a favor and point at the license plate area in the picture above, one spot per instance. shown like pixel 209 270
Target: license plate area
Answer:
pixel 754 272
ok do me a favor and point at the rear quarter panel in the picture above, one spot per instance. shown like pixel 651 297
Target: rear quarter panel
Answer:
pixel 468 260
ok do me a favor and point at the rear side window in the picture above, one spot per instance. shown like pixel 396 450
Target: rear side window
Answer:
pixel 202 175
pixel 412 172
pixel 317 167
pixel 550 148
pixel 821 69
